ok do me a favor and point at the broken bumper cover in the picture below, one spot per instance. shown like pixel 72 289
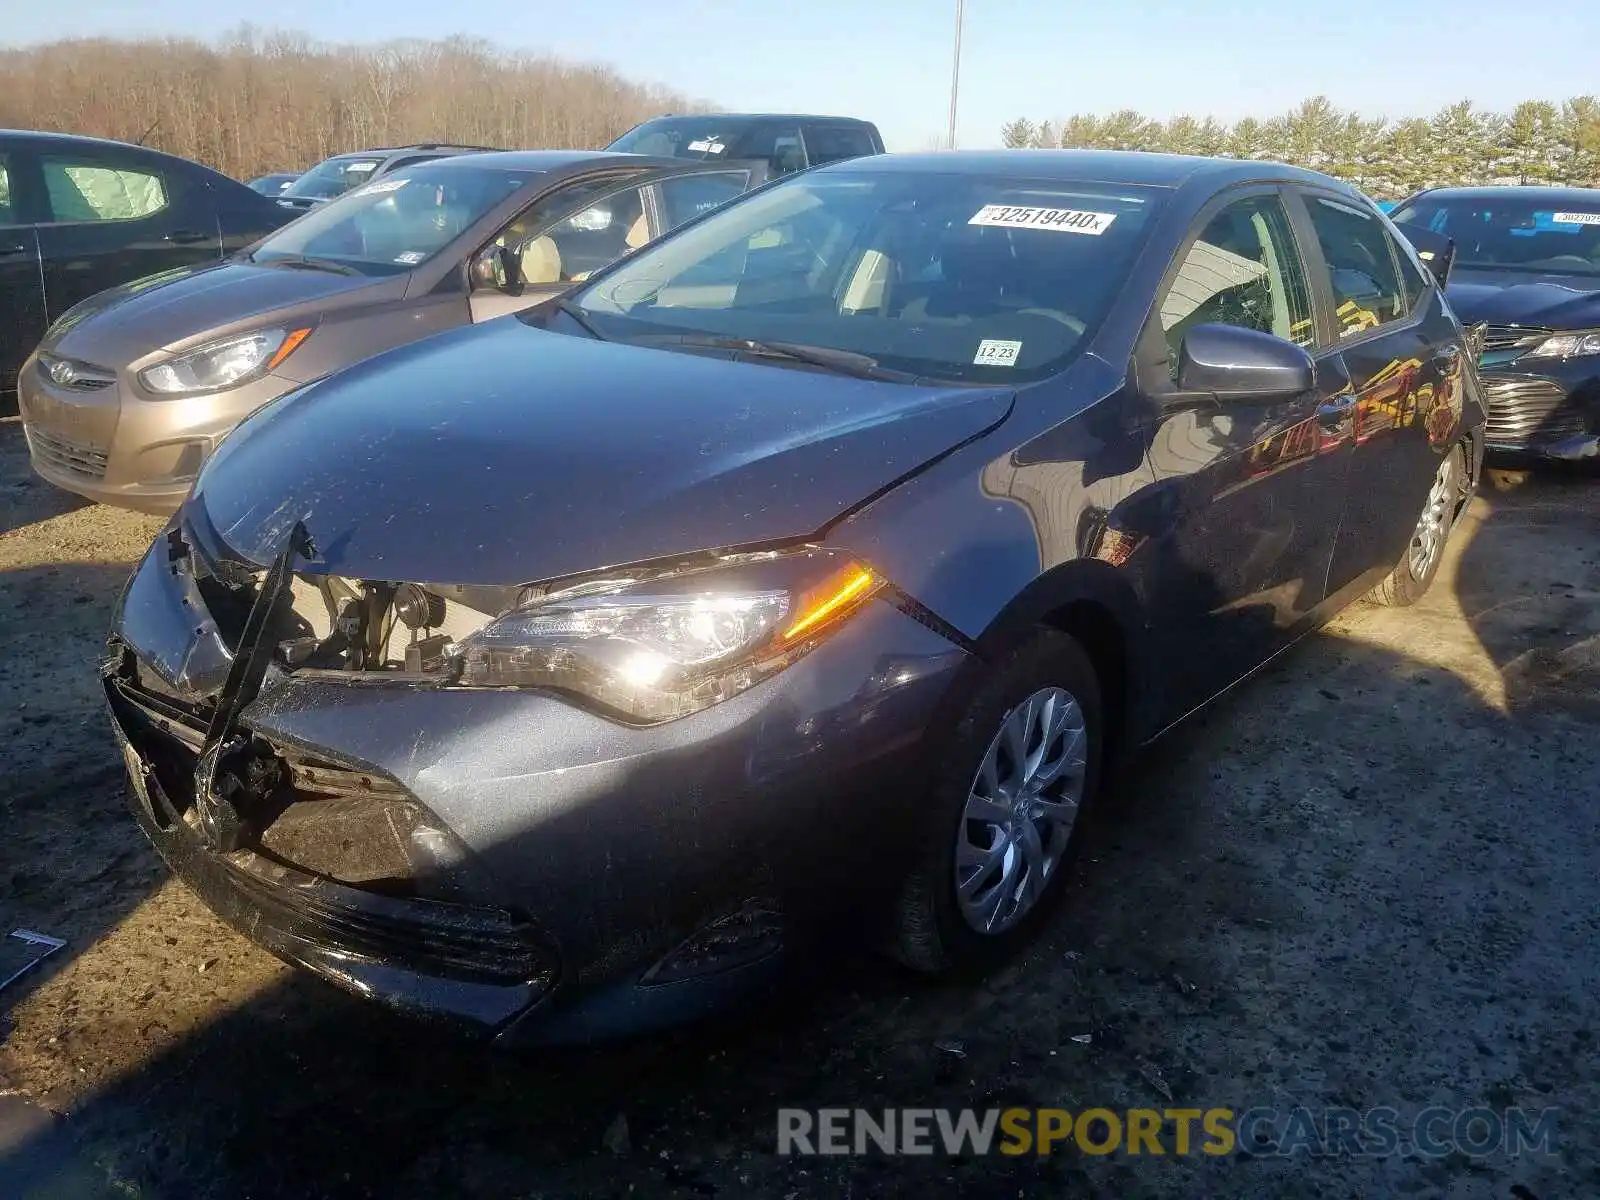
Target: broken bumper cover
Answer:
pixel 613 877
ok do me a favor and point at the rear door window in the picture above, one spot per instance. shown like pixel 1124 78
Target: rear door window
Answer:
pixel 830 143
pixel 1367 291
pixel 81 190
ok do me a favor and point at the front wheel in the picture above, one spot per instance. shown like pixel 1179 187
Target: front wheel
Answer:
pixel 1017 771
pixel 1412 577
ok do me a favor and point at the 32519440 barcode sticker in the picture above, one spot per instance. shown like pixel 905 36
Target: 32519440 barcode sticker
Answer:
pixel 1060 220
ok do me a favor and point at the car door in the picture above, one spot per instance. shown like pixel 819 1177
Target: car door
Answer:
pixel 1402 354
pixel 553 252
pixel 1253 491
pixel 22 313
pixel 114 215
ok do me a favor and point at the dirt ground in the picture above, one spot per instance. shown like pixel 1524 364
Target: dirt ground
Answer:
pixel 1368 877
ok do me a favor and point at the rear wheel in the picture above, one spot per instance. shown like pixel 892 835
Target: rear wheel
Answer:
pixel 1018 770
pixel 1411 578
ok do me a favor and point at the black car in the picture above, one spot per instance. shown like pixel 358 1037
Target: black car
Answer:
pixel 557 674
pixel 79 215
pixel 784 142
pixel 273 182
pixel 1527 264
pixel 337 175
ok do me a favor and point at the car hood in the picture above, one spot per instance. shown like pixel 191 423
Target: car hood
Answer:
pixel 509 454
pixel 1516 298
pixel 126 323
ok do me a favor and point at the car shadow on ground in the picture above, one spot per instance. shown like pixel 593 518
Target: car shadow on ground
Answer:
pixel 1356 880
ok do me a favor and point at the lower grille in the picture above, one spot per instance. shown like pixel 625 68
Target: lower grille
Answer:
pixel 74 458
pixel 1527 412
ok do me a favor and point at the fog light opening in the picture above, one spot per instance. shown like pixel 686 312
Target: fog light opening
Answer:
pixel 741 938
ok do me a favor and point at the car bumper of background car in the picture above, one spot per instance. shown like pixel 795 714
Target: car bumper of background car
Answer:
pixel 560 876
pixel 111 445
pixel 1552 411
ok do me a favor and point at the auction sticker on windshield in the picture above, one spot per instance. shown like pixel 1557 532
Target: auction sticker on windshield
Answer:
pixel 1062 220
pixel 1575 218
pixel 384 185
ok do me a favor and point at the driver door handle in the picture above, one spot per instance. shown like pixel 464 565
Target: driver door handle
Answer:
pixel 7 249
pixel 186 236
pixel 1335 411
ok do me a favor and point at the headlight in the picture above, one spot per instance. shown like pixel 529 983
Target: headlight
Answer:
pixel 1566 345
pixel 222 365
pixel 655 650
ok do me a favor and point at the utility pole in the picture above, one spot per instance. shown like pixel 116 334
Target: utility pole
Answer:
pixel 955 74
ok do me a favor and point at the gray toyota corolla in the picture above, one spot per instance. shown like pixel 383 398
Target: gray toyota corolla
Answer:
pixel 558 674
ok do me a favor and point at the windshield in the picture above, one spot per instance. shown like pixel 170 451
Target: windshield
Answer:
pixel 1514 233
pixel 942 276
pixel 680 137
pixel 396 223
pixel 333 177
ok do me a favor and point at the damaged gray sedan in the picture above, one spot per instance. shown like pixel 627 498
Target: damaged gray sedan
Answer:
pixel 558 674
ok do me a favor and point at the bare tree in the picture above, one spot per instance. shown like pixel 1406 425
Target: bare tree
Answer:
pixel 260 101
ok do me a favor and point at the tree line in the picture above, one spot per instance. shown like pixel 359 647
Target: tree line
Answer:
pixel 1536 142
pixel 257 102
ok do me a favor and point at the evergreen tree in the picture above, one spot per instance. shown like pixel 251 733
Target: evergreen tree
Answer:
pixel 1018 133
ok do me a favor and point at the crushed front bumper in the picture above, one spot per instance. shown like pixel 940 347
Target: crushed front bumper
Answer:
pixel 586 865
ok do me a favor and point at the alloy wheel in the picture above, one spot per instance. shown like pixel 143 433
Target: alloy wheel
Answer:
pixel 1020 810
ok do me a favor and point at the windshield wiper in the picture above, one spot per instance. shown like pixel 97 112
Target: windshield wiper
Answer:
pixel 579 316
pixel 305 262
pixel 840 362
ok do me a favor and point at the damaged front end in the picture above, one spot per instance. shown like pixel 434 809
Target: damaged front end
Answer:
pixel 329 864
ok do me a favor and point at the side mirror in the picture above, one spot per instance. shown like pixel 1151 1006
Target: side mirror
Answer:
pixel 1437 252
pixel 498 268
pixel 1233 363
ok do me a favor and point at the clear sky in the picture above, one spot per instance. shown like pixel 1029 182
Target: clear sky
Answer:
pixel 889 60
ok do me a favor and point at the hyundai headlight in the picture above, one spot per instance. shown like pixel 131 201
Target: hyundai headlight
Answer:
pixel 222 365
pixel 666 647
pixel 1566 345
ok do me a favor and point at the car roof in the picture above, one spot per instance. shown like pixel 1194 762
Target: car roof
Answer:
pixel 1090 166
pixel 748 116
pixel 79 139
pixel 1553 194
pixel 556 160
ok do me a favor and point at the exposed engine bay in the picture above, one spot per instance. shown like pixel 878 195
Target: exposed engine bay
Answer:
pixel 331 623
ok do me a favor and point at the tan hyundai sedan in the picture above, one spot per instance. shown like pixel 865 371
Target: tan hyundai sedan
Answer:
pixel 132 390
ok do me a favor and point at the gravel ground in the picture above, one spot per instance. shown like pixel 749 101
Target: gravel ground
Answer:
pixel 1367 877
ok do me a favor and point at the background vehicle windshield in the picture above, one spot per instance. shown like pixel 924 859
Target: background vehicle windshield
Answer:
pixel 680 137
pixel 398 222
pixel 947 276
pixel 1513 233
pixel 333 177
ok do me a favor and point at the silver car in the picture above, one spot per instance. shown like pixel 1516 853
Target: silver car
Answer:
pixel 131 391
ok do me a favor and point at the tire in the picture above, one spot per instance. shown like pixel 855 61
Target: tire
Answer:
pixel 1414 574
pixel 931 929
